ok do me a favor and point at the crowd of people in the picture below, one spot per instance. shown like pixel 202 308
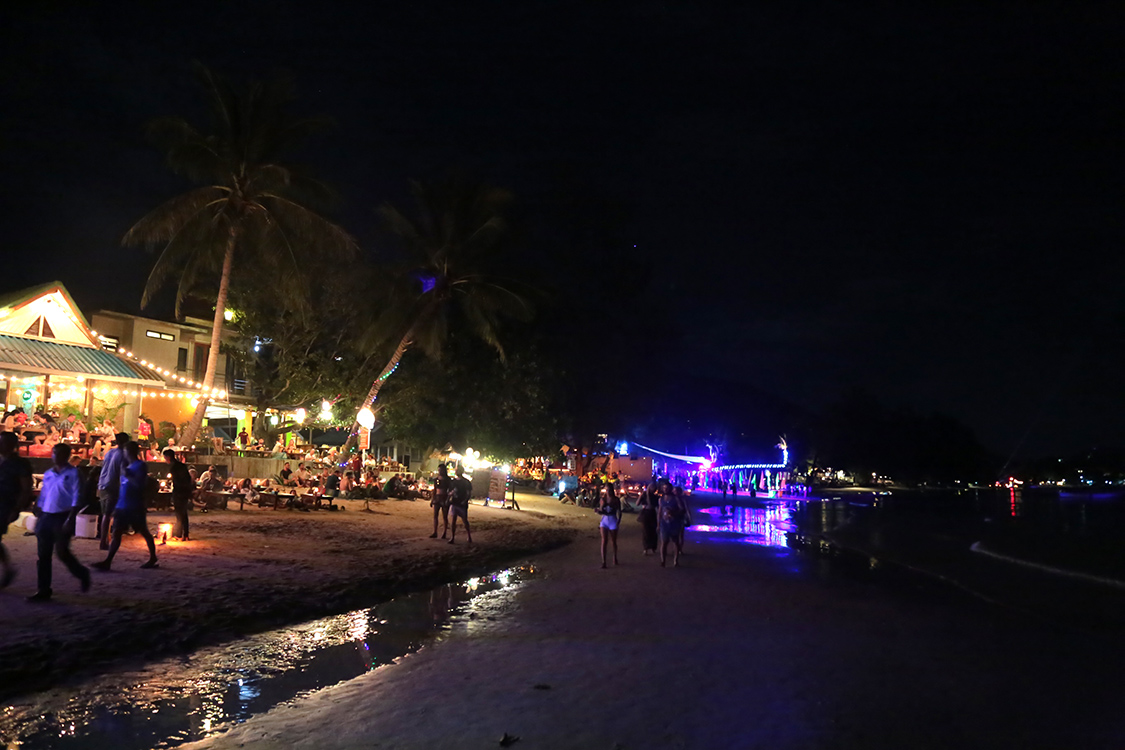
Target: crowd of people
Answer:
pixel 119 488
pixel 662 511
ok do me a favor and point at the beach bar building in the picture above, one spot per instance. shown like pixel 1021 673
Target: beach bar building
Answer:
pixel 50 358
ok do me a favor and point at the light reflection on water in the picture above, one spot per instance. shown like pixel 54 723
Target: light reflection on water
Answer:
pixel 186 698
pixel 764 526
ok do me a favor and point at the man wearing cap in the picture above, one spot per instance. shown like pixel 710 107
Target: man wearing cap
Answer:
pixel 109 485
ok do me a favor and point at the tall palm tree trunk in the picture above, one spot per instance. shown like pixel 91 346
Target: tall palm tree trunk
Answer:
pixel 373 393
pixel 216 339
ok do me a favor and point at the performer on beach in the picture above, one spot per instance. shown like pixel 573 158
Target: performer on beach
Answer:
pixel 58 505
pixel 15 493
pixel 130 510
pixel 440 500
pixel 460 491
pixel 610 510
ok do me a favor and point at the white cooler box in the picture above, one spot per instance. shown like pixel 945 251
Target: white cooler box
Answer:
pixel 86 526
pixel 26 520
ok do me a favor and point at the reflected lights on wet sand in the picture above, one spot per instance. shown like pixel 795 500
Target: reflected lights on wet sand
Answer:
pixel 181 699
pixel 765 526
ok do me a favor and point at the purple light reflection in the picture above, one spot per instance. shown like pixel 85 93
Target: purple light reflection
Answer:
pixel 761 526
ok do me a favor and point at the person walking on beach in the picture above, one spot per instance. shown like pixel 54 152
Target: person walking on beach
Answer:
pixel 109 485
pixel 58 505
pixel 672 511
pixel 460 491
pixel 687 514
pixel 440 500
pixel 610 510
pixel 182 489
pixel 15 494
pixel 130 510
pixel 647 515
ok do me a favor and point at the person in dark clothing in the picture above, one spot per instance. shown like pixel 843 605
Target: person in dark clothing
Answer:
pixel 649 503
pixel 182 489
pixel 392 487
pixel 440 500
pixel 332 485
pixel 15 495
pixel 460 491
pixel 109 485
pixel 130 510
pixel 58 504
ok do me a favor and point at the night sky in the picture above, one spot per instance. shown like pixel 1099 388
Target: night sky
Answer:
pixel 921 201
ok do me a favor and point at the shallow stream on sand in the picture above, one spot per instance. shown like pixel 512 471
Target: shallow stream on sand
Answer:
pixel 180 699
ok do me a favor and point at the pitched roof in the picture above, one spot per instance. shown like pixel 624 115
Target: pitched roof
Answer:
pixel 45 311
pixel 53 358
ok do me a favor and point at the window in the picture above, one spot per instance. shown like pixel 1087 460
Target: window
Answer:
pixel 40 328
pixel 109 343
pixel 201 351
pixel 160 335
pixel 181 359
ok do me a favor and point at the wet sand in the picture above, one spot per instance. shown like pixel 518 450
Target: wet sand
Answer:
pixel 742 647
pixel 243 572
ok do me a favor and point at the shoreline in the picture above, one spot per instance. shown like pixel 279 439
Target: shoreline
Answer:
pixel 755 648
pixel 245 572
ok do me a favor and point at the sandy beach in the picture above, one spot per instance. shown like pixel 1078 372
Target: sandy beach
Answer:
pixel 741 647
pixel 244 572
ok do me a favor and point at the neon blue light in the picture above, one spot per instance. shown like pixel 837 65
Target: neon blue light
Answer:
pixel 782 465
pixel 622 448
pixel 688 459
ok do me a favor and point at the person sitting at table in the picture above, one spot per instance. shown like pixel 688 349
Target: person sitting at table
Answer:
pixel 97 453
pixel 392 486
pixel 76 428
pixel 303 475
pixel 11 423
pixel 332 484
pixel 209 481
pixel 348 483
pixel 279 446
pixel 286 473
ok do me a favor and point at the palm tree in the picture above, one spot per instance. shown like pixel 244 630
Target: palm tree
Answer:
pixel 249 211
pixel 452 247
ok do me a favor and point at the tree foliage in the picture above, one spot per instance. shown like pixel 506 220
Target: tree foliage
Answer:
pixel 503 408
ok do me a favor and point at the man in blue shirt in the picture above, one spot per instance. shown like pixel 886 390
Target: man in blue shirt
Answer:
pixel 130 510
pixel 58 504
pixel 15 495
pixel 109 484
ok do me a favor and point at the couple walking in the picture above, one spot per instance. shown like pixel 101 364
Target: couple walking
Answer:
pixel 451 497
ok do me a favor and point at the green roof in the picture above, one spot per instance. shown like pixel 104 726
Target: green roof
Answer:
pixel 50 357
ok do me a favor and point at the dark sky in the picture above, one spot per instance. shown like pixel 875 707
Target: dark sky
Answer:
pixel 922 201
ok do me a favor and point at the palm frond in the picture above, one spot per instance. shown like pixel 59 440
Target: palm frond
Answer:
pixel 160 225
pixel 318 236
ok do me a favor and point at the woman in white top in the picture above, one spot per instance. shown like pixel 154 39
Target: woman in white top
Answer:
pixel 610 511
